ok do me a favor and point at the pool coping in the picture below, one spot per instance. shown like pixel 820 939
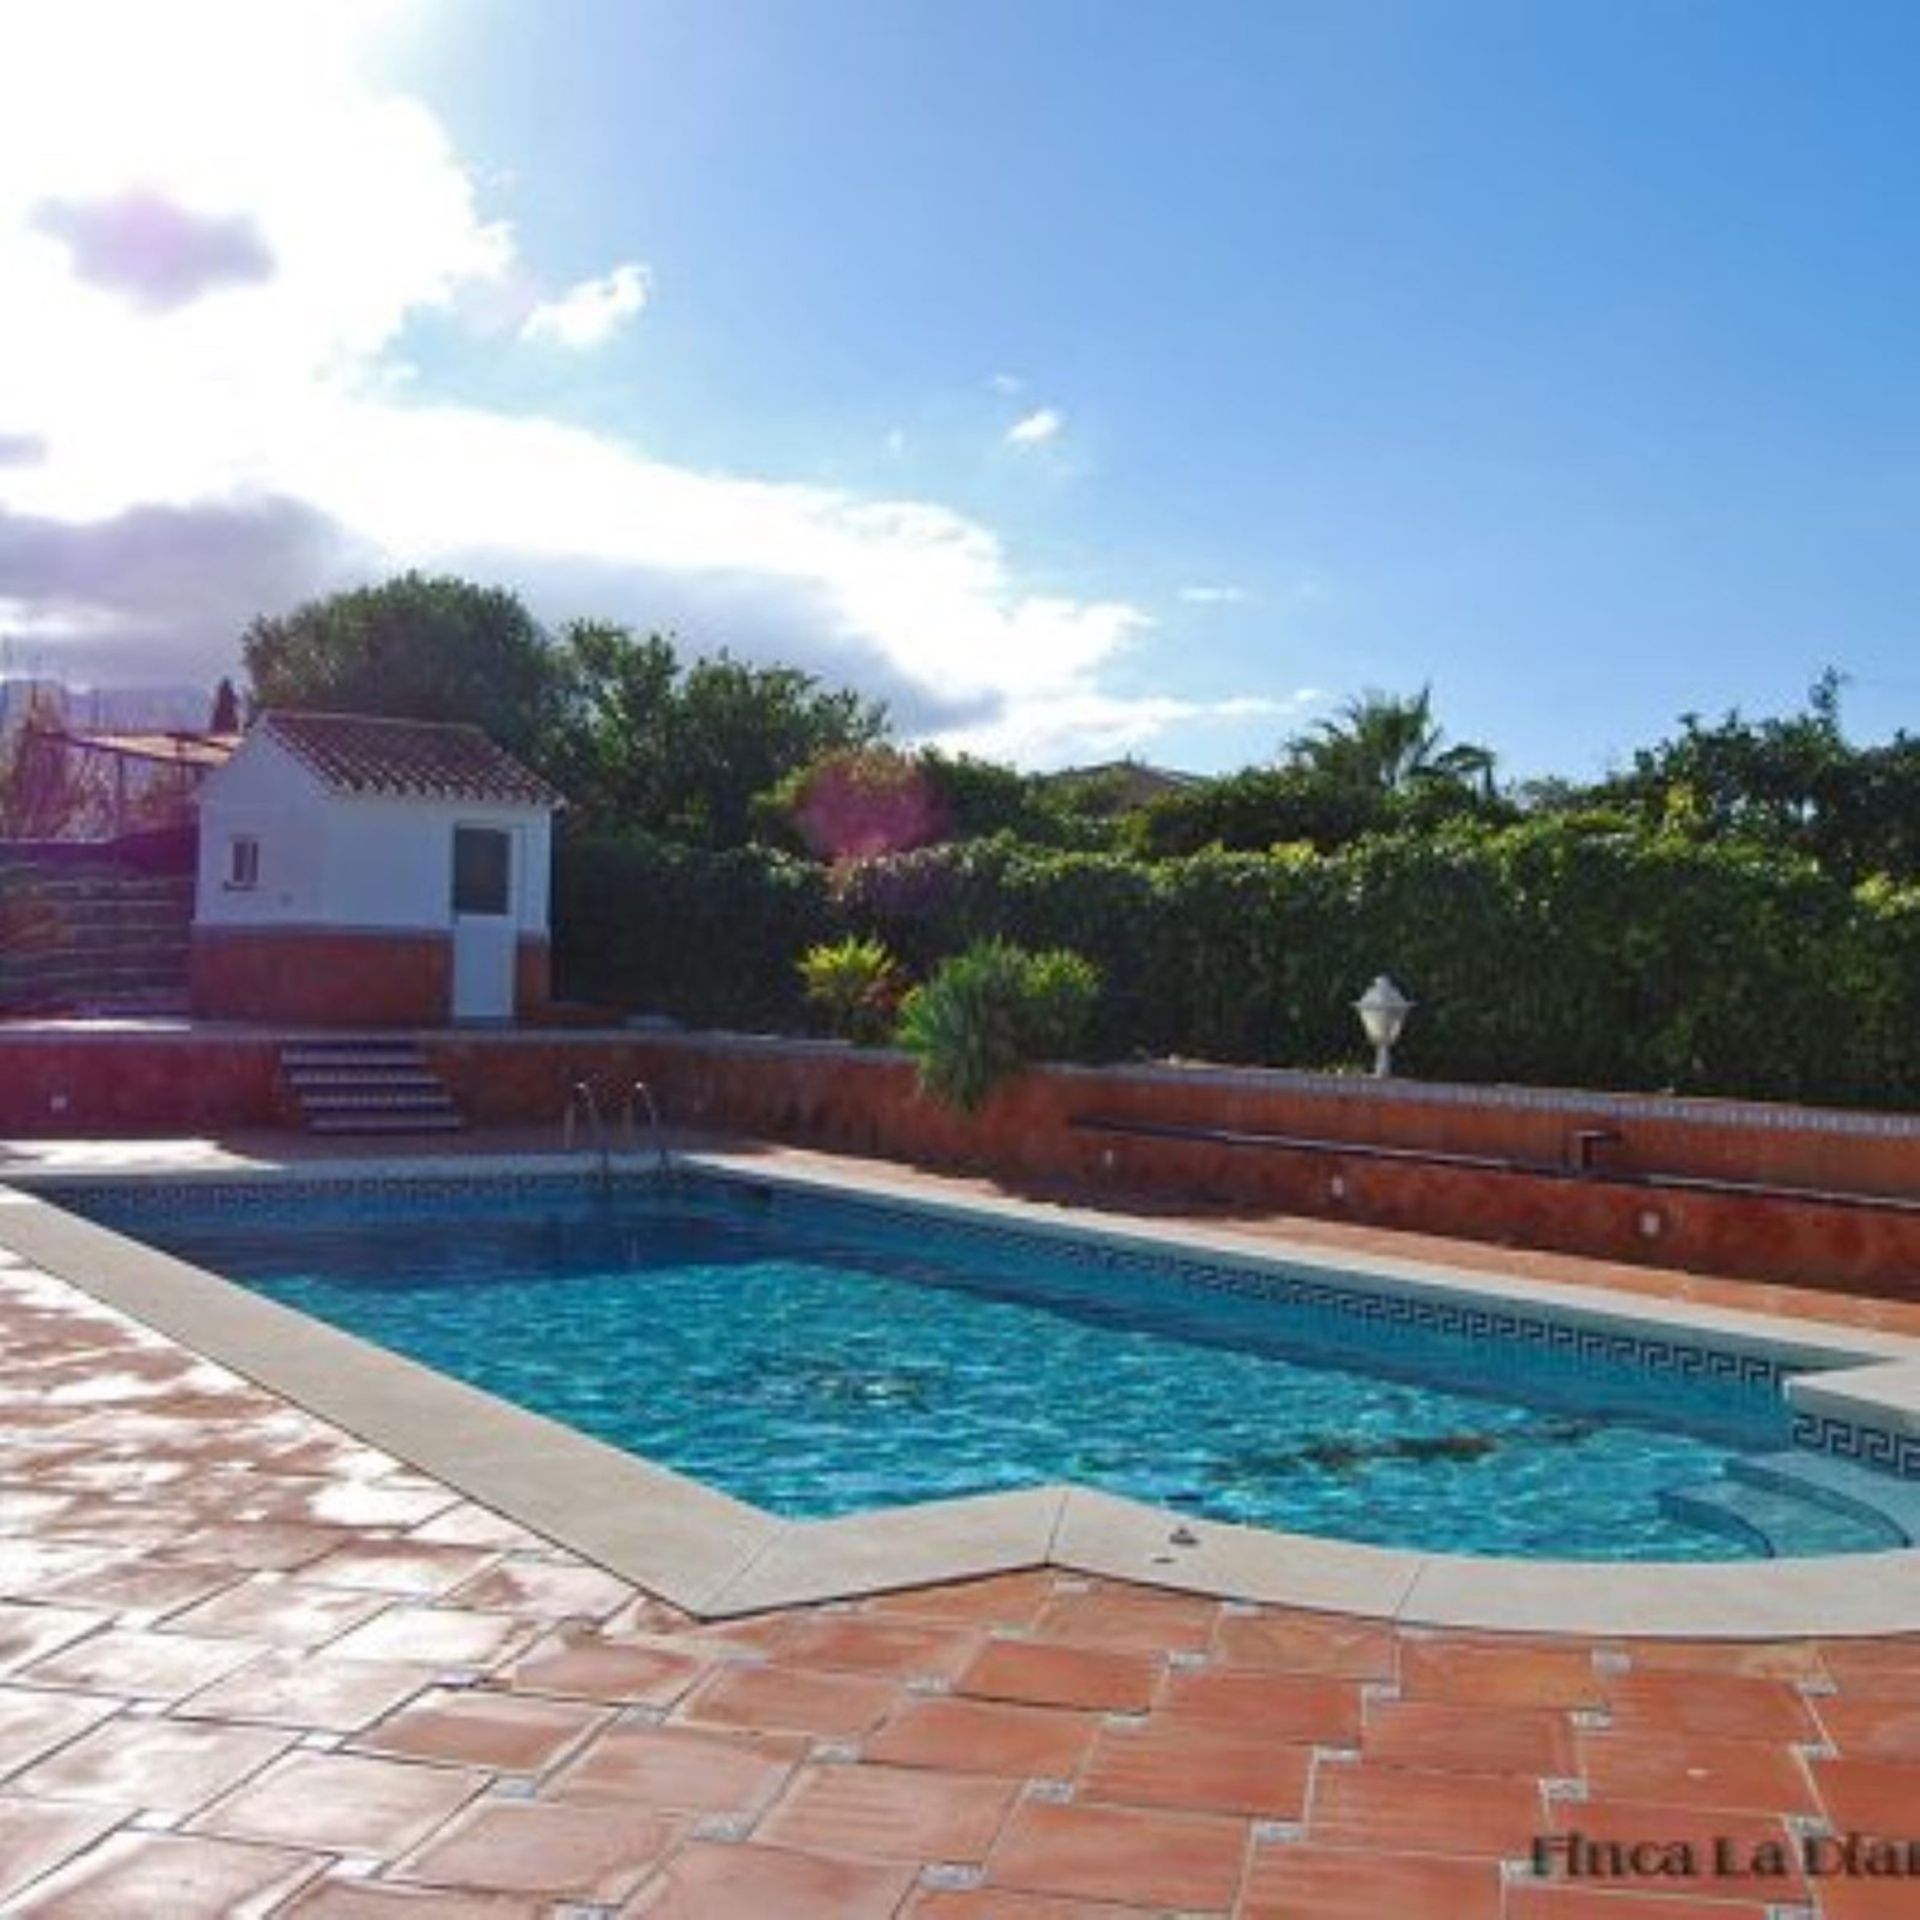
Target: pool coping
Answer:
pixel 719 1558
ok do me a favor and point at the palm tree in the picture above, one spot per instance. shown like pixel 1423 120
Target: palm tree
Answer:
pixel 1391 744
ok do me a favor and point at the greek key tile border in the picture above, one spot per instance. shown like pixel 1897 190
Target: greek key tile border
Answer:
pixel 1649 1353
pixel 1877 1447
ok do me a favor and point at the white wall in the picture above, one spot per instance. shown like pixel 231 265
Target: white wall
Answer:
pixel 329 859
pixel 263 792
pixel 389 863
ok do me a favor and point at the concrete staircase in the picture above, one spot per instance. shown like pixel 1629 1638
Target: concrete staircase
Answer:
pixel 367 1084
pixel 93 939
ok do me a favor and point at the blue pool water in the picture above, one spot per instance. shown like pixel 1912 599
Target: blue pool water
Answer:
pixel 815 1357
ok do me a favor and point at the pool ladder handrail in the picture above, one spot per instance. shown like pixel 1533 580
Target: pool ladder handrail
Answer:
pixel 581 1098
pixel 641 1095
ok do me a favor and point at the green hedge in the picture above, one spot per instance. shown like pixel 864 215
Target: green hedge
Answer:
pixel 1548 953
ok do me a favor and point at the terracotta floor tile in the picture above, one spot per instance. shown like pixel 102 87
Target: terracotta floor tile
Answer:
pixel 1441 1735
pixel 1750 1659
pixel 986 1736
pixel 704 1882
pixel 1895 1658
pixel 345 1803
pixel 1282 1706
pixel 1513 1675
pixel 37 1835
pixel 412 1569
pixel 867 1643
pixel 1722 1704
pixel 477 1727
pixel 1399 1810
pixel 996 1903
pixel 1129 1621
pixel 1122 1854
pixel 899 1813
pixel 1301 1882
pixel 1198 1766
pixel 1868 1725
pixel 510 1847
pixel 791 1699
pixel 1709 1838
pixel 34 1723
pixel 543 1590
pixel 1042 1674
pixel 181 1877
pixel 1692 1770
pixel 316 1692
pixel 29 1633
pixel 678 1768
pixel 35 1569
pixel 447 1636
pixel 151 1665
pixel 469 1525
pixel 1528 1902
pixel 258 1548
pixel 340 1899
pixel 162 1766
pixel 1871 1796
pixel 587 1666
pixel 152 1589
pixel 282 1613
pixel 350 1503
pixel 1859 1898
pixel 1011 1600
pixel 1337 1648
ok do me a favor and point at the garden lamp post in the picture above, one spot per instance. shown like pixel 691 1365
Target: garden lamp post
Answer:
pixel 1383 1011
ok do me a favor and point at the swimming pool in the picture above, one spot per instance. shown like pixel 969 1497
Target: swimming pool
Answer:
pixel 818 1356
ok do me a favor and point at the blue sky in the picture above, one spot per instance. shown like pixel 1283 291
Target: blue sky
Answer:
pixel 1084 377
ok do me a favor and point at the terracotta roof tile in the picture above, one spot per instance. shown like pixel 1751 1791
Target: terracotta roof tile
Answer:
pixel 406 759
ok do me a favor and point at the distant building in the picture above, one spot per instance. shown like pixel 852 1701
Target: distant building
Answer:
pixel 1127 784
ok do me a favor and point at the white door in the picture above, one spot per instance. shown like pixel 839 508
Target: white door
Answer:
pixel 484 926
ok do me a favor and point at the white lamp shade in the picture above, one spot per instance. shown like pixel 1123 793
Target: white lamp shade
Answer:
pixel 1383 1011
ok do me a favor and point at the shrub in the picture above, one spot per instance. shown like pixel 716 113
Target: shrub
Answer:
pixel 988 1011
pixel 856 985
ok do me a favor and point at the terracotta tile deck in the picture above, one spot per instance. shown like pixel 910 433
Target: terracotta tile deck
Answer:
pixel 250 1666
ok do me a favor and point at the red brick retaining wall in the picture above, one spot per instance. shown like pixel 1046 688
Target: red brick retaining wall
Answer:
pixel 61 1083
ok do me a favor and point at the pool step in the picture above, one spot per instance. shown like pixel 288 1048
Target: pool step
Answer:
pixel 1781 1521
pixel 1876 1497
pixel 359 1084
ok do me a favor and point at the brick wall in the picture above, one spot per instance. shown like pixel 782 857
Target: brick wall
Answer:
pixel 321 977
pixel 819 1094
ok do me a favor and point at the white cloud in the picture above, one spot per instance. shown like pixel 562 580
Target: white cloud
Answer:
pixel 1006 383
pixel 591 313
pixel 1083 725
pixel 175 465
pixel 1213 596
pixel 1036 428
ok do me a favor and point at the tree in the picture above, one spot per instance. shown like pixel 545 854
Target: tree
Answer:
pixel 225 717
pixel 418 647
pixel 1391 744
pixel 1793 782
pixel 684 750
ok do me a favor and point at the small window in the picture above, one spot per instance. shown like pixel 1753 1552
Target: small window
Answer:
pixel 243 862
pixel 480 863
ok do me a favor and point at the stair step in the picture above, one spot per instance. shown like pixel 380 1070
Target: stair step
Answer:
pixel 447 1122
pixel 402 1100
pixel 376 1079
pixel 1833 1482
pixel 1783 1524
pixel 367 1083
